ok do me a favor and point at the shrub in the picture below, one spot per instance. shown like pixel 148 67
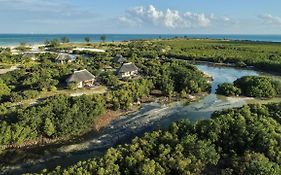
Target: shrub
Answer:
pixel 228 89
pixel 255 86
pixel 72 85
pixel 30 94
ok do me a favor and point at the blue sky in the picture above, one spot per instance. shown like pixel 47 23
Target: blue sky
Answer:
pixel 141 16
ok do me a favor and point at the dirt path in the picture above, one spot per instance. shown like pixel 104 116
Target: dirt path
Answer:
pixel 4 71
pixel 79 92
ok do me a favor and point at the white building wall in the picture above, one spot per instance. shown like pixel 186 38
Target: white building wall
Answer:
pixel 80 85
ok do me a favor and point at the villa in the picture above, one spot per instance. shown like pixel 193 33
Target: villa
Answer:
pixel 119 59
pixel 63 58
pixel 83 78
pixel 127 70
pixel 29 55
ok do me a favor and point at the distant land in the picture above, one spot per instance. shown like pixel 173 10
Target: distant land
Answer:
pixel 15 39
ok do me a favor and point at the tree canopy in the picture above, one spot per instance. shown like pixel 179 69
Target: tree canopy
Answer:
pixel 251 86
pixel 235 141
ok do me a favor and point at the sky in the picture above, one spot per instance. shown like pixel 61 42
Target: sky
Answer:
pixel 141 16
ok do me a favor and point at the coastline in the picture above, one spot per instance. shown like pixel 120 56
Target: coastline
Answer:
pixel 38 39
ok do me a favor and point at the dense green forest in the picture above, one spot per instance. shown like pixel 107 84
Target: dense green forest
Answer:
pixel 32 78
pixel 55 117
pixel 176 77
pixel 236 141
pixel 62 116
pixel 251 86
pixel 46 74
pixel 263 55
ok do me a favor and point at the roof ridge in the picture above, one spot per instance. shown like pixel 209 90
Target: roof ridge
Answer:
pixel 128 63
pixel 81 70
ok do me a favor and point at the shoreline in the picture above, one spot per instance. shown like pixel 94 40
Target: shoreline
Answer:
pixel 222 37
pixel 102 122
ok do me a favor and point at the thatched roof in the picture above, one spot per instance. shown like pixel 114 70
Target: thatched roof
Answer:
pixel 127 67
pixel 82 75
pixel 28 55
pixel 63 57
pixel 119 59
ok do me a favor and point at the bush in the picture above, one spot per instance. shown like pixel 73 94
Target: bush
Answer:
pixel 72 85
pixel 235 141
pixel 58 116
pixel 4 89
pixel 28 94
pixel 15 97
pixel 228 89
pixel 255 86
pixel 109 79
pixel 277 86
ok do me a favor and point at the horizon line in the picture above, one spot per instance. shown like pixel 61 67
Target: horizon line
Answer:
pixel 134 34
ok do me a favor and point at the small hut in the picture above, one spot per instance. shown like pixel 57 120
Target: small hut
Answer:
pixel 29 55
pixel 83 78
pixel 119 59
pixel 127 70
pixel 63 58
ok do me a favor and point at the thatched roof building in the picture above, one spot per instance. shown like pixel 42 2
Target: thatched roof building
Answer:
pixel 83 78
pixel 62 58
pixel 119 59
pixel 127 70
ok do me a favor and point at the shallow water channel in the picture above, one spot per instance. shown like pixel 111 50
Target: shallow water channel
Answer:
pixel 150 117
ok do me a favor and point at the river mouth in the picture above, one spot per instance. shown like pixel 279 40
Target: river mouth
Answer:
pixel 151 116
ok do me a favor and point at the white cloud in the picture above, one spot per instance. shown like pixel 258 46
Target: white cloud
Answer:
pixel 199 19
pixel 124 19
pixel 137 10
pixel 36 5
pixel 268 18
pixel 226 19
pixel 43 11
pixel 154 15
pixel 171 19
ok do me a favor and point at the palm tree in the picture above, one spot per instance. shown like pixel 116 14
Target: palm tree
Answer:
pixel 103 38
pixel 65 39
pixel 54 43
pixel 47 42
pixel 87 39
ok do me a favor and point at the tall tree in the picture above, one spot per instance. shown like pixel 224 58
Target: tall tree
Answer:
pixel 103 38
pixel 87 39
pixel 65 39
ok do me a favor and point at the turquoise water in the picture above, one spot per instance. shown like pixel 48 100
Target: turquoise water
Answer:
pixel 15 39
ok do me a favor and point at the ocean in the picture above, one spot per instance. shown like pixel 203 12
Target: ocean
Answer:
pixel 15 39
